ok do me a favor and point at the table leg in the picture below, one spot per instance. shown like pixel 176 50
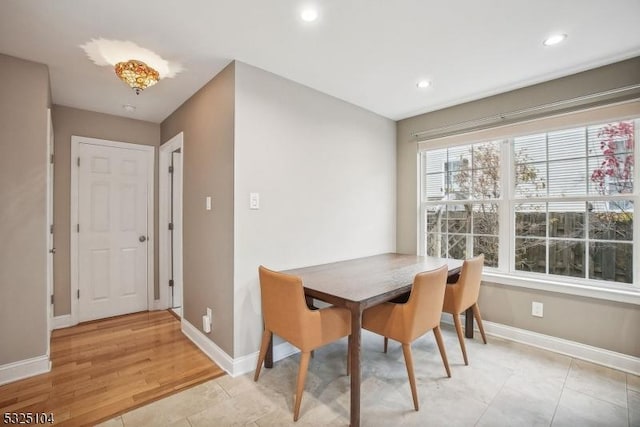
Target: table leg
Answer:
pixel 354 351
pixel 468 323
pixel 268 358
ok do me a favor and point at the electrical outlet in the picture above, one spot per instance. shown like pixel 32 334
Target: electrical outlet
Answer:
pixel 206 324
pixel 537 309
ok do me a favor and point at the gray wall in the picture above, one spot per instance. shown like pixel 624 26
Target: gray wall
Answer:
pixel 604 324
pixel 207 120
pixel 325 171
pixel 612 324
pixel 71 121
pixel 24 99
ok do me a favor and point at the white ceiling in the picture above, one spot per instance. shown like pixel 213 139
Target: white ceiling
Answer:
pixel 367 52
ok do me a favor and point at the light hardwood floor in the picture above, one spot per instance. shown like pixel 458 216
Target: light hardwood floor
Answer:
pixel 105 368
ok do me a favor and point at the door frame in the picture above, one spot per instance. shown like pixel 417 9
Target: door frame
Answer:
pixel 177 142
pixel 74 253
pixel 49 229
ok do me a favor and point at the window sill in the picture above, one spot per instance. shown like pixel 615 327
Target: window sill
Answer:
pixel 608 294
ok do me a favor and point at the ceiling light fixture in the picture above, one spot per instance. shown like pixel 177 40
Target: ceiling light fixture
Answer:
pixel 423 84
pixel 137 74
pixel 554 39
pixel 309 15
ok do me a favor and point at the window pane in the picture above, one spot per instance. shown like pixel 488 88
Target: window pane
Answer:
pixel 485 218
pixel 566 258
pixel 606 223
pixel 567 144
pixel 458 246
pixel 436 245
pixel 459 218
pixel 435 218
pixel 531 255
pixel 434 160
pixel 530 148
pixel 567 177
pixel 611 168
pixel 531 219
pixel 434 187
pixel 486 183
pixel 567 220
pixel 617 135
pixel 611 175
pixel 531 180
pixel 487 246
pixel 457 171
pixel 597 183
pixel 611 261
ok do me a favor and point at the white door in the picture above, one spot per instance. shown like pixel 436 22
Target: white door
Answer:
pixel 113 231
pixel 176 232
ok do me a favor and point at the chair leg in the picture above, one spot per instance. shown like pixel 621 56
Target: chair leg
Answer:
pixel 349 355
pixel 476 314
pixel 386 344
pixel 302 376
pixel 458 325
pixel 408 360
pixel 443 352
pixel 266 337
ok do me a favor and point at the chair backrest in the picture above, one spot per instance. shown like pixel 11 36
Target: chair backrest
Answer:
pixel 469 281
pixel 424 307
pixel 284 309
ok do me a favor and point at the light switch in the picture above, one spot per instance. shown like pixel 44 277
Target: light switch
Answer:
pixel 208 203
pixel 254 200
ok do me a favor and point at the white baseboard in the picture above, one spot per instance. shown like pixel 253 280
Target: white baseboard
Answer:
pixel 207 346
pixel 233 367
pixel 611 359
pixel 248 363
pixel 24 368
pixel 63 321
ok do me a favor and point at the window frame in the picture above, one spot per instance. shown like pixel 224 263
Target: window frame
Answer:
pixel 506 272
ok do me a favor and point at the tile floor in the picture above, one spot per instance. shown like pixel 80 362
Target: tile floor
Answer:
pixel 505 384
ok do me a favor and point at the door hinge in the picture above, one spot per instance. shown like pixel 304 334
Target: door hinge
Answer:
pixel 51 299
pixel 51 229
pixel 170 169
pixel 171 282
pixel 78 294
pixel 170 226
pixel 78 161
pixel 51 159
pixel 78 228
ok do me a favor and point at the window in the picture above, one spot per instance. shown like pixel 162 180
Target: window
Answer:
pixel 461 216
pixel 557 203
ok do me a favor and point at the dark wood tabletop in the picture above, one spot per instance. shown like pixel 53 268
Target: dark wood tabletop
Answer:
pixel 368 280
pixel 361 283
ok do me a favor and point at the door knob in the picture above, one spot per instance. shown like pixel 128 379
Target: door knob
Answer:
pixel 52 250
pixel 142 238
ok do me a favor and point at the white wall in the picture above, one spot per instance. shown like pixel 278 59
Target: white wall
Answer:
pixel 326 174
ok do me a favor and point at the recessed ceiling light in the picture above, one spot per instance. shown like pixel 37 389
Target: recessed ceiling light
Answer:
pixel 554 39
pixel 309 15
pixel 423 84
pixel 129 108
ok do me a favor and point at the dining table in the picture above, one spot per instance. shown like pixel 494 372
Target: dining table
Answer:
pixel 358 284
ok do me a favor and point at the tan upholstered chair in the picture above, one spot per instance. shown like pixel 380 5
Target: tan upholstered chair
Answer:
pixel 286 314
pixel 463 294
pixel 405 322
